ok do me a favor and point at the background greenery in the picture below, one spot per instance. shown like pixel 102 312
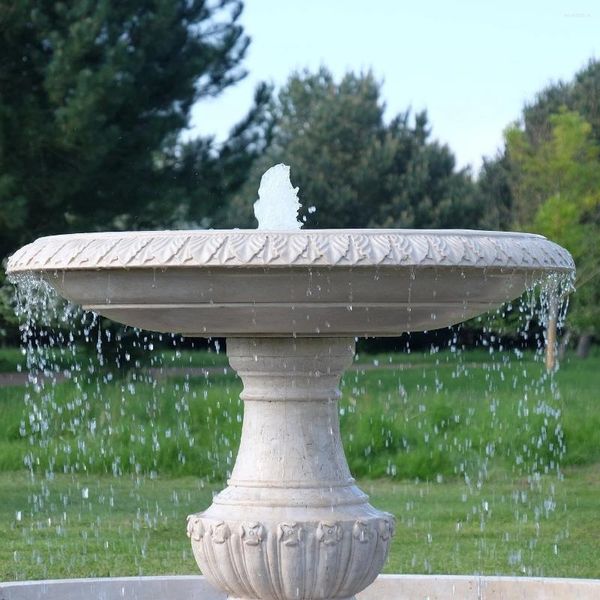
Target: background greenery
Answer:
pixel 94 98
pixel 438 530
pixel 429 416
pixel 451 446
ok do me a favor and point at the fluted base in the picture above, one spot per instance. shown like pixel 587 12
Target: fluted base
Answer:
pixel 291 525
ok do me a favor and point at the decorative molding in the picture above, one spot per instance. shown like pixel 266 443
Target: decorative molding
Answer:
pixel 304 248
pixel 219 532
pixel 289 534
pixel 195 528
pixel 285 557
pixel 329 533
pixel 252 533
pixel 362 531
pixel 386 529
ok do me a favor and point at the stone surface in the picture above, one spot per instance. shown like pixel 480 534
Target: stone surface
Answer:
pixel 386 587
pixel 305 283
pixel 306 248
pixel 291 523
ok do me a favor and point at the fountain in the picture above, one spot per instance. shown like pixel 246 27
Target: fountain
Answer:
pixel 292 524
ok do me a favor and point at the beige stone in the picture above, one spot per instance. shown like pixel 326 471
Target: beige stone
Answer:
pixel 291 524
pixel 302 283
pixel 386 587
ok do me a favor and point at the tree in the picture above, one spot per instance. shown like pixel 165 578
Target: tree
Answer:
pixel 93 96
pixel 519 185
pixel 493 193
pixel 581 95
pixel 495 180
pixel 205 179
pixel 556 192
pixel 357 170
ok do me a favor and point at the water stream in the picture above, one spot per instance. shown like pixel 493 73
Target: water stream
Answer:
pixel 105 424
pixel 125 432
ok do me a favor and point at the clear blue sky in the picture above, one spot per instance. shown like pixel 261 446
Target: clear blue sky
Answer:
pixel 471 64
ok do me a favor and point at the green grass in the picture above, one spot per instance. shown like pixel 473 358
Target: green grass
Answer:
pixel 454 528
pixel 11 359
pixel 446 419
pixel 82 526
pixel 464 452
pixel 449 417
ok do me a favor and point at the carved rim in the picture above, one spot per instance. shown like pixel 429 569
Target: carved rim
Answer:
pixel 302 248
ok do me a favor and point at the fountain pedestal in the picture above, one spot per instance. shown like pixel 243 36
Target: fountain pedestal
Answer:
pixel 291 524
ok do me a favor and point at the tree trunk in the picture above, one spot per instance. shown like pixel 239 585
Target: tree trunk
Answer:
pixel 584 345
pixel 551 333
pixel 564 344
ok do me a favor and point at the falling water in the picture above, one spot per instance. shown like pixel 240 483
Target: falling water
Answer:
pixel 107 410
pixel 451 433
pixel 107 420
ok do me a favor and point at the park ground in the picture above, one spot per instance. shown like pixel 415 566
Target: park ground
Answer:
pixel 489 466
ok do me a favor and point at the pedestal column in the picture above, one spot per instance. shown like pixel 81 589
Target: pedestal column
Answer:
pixel 291 525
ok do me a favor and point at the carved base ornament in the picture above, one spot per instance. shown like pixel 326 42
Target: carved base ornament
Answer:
pixel 291 525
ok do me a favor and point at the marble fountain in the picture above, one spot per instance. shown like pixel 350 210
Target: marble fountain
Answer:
pixel 292 524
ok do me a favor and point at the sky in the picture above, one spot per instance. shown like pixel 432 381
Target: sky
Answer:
pixel 471 64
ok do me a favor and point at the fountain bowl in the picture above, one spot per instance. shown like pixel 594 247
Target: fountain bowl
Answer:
pixel 362 282
pixel 386 587
pixel 292 523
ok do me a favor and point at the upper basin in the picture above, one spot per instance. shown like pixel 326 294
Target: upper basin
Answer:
pixel 356 282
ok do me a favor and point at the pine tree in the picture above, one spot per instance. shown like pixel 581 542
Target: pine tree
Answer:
pixel 93 97
pixel 358 170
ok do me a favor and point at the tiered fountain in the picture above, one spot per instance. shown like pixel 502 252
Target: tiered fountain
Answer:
pixel 292 524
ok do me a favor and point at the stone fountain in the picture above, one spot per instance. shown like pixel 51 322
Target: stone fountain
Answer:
pixel 291 523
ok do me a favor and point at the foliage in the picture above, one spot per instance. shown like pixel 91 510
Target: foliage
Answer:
pixel 8 319
pixel 206 178
pixel 93 96
pixel 556 191
pixel 432 424
pixel 497 179
pixel 493 193
pixel 581 95
pixel 546 179
pixel 354 168
pixel 86 522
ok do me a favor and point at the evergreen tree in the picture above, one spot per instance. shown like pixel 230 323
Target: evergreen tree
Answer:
pixel 354 168
pixel 494 194
pixel 93 97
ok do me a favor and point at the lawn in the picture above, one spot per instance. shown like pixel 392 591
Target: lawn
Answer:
pixel 464 451
pixel 81 526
